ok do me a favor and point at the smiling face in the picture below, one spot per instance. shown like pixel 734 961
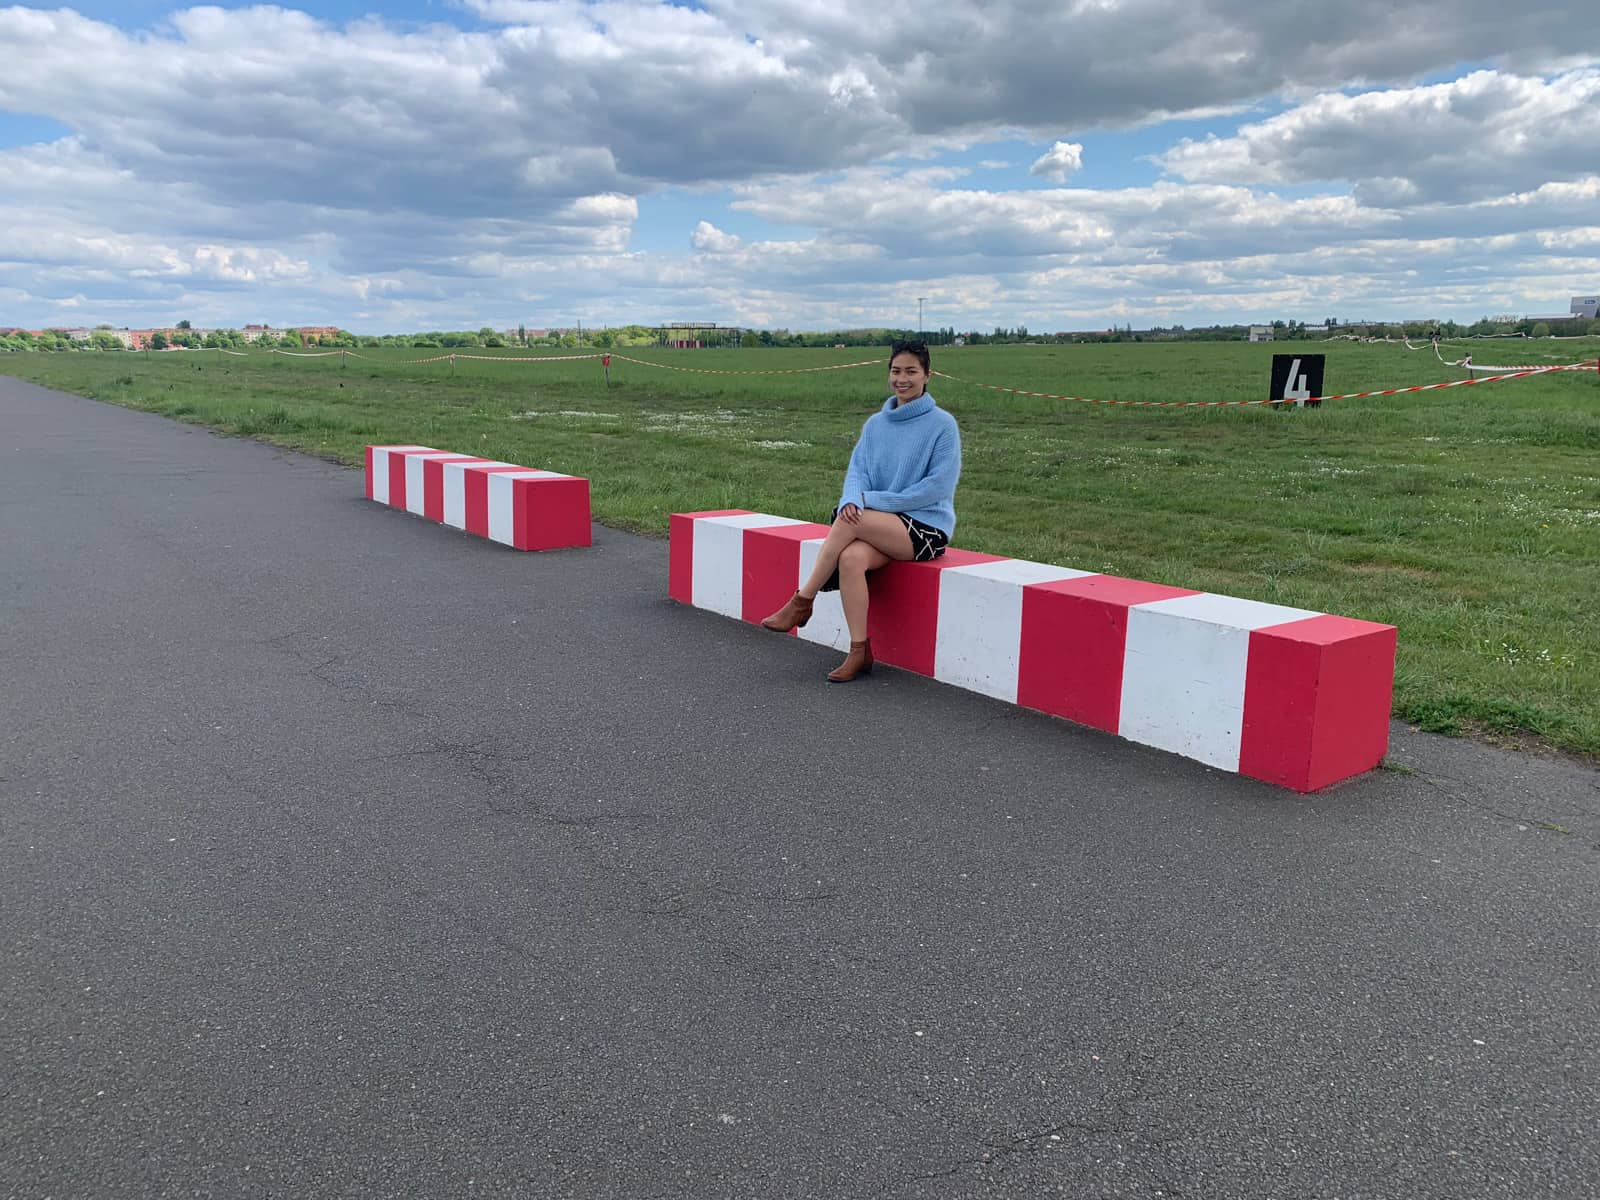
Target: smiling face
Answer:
pixel 908 378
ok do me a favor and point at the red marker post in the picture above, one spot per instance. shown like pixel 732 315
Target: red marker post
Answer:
pixel 605 361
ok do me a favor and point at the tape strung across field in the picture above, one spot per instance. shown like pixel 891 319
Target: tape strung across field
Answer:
pixel 1501 374
pixel 1421 387
pixel 1466 364
pixel 523 360
pixel 875 362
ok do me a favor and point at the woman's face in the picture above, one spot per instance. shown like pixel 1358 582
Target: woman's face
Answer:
pixel 907 377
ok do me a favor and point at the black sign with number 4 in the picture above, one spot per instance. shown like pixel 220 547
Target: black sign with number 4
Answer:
pixel 1297 378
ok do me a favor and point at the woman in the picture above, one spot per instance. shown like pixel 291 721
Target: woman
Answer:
pixel 898 503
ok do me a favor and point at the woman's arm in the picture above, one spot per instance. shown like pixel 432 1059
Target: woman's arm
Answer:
pixel 938 484
pixel 855 475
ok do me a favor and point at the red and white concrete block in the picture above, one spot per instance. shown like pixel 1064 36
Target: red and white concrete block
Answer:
pixel 1283 694
pixel 530 510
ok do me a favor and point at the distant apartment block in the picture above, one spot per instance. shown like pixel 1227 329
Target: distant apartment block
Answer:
pixel 1261 333
pixel 1586 306
pixel 139 339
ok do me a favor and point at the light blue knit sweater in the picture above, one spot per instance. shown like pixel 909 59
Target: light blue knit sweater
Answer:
pixel 907 460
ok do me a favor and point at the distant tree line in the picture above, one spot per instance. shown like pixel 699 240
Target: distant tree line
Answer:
pixel 103 337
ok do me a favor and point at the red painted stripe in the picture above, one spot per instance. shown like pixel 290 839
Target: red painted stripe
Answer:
pixel 477 496
pixel 772 566
pixel 433 483
pixel 903 618
pixel 1074 641
pixel 1317 696
pixel 397 479
pixel 680 550
pixel 550 514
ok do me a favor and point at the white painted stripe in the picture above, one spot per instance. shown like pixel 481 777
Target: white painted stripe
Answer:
pixel 979 636
pixel 1228 610
pixel 502 513
pixel 1183 673
pixel 826 626
pixel 381 463
pixel 455 490
pixel 718 573
pixel 380 474
pixel 414 461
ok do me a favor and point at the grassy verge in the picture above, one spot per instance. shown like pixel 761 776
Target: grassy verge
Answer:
pixel 1470 518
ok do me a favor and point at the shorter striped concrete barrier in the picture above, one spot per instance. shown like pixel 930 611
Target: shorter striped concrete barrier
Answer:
pixel 1294 697
pixel 530 510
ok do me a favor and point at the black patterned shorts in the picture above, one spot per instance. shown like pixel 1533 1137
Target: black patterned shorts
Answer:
pixel 927 543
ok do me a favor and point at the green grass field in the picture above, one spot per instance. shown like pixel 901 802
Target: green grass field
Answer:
pixel 1470 517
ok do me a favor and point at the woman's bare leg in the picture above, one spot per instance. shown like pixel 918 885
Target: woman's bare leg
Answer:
pixel 858 558
pixel 880 530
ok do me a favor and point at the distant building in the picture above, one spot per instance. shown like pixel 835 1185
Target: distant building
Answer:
pixel 698 335
pixel 254 333
pixel 315 333
pixel 139 339
pixel 1261 333
pixel 1586 306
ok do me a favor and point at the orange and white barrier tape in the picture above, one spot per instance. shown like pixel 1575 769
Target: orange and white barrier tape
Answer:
pixel 1469 365
pixel 525 358
pixel 1421 387
pixel 1466 364
pixel 643 362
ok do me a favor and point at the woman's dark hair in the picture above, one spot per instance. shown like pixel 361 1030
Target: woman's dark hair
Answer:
pixel 917 350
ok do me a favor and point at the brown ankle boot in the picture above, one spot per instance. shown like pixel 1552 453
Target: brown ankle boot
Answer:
pixel 791 616
pixel 859 662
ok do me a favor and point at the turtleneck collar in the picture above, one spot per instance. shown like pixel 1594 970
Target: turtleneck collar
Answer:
pixel 905 412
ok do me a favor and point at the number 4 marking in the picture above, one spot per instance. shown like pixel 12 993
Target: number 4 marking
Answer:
pixel 1295 389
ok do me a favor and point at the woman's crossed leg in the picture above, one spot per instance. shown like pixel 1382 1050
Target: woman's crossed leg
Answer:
pixel 861 540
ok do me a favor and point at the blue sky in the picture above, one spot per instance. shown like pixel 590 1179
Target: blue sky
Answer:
pixel 784 163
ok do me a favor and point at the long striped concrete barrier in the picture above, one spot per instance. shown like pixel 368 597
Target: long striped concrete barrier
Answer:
pixel 1294 697
pixel 531 510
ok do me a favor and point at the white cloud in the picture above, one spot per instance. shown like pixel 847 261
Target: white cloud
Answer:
pixel 232 158
pixel 1478 136
pixel 708 239
pixel 1056 163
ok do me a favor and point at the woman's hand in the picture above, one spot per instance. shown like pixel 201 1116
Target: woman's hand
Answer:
pixel 851 514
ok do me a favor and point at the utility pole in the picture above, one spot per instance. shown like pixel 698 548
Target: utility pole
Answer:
pixel 920 299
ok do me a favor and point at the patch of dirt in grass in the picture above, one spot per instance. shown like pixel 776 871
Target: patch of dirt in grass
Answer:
pixel 1522 740
pixel 1388 568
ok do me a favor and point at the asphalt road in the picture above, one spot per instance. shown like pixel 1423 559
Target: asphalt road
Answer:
pixel 342 855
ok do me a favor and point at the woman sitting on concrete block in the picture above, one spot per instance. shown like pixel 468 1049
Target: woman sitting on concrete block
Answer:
pixel 898 503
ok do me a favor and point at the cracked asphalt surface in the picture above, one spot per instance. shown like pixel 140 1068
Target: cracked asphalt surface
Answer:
pixel 342 855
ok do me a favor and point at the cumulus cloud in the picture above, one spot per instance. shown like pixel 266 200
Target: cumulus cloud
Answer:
pixel 990 63
pixel 708 239
pixel 426 169
pixel 1477 136
pixel 1056 163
